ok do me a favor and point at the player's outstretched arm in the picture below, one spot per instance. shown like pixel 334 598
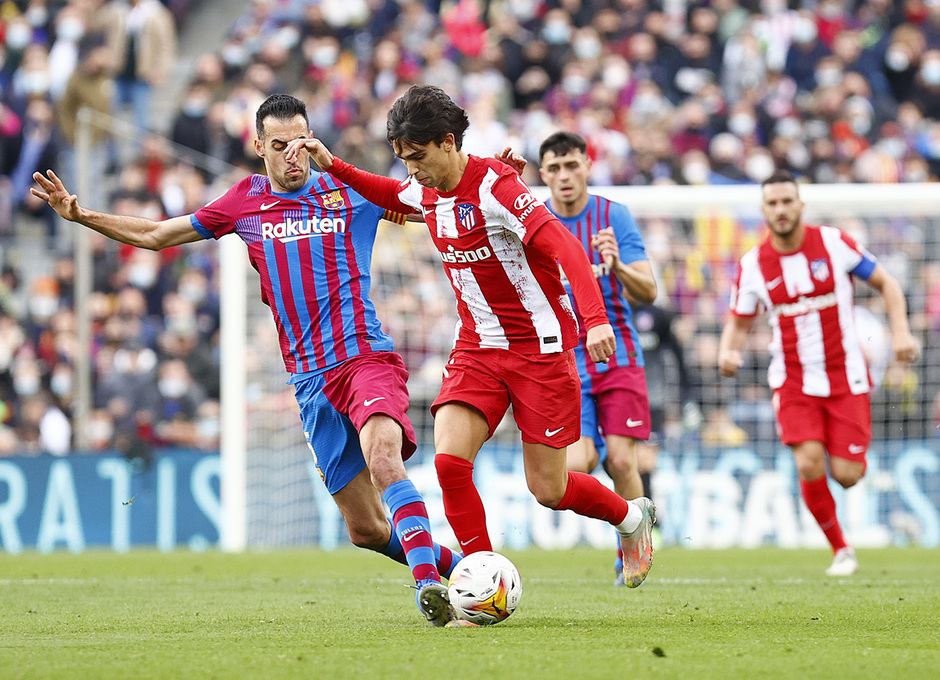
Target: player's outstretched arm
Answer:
pixel 732 340
pixel 902 341
pixel 135 231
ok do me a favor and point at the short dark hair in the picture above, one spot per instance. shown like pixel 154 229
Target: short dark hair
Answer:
pixel 561 143
pixel 779 177
pixel 279 107
pixel 426 114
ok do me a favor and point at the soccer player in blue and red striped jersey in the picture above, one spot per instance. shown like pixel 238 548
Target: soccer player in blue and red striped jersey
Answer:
pixel 615 409
pixel 310 238
pixel 501 249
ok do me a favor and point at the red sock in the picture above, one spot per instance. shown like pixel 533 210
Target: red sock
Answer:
pixel 462 503
pixel 587 496
pixel 822 506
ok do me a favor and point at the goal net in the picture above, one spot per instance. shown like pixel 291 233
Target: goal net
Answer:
pixel 722 478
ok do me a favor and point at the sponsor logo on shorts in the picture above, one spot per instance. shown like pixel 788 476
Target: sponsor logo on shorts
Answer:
pixel 633 423
pixel 856 448
pixel 552 433
pixel 773 283
pixel 369 402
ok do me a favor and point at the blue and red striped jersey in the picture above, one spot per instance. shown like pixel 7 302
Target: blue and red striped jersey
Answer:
pixel 599 214
pixel 312 249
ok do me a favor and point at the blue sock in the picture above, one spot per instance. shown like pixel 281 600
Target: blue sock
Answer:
pixel 412 528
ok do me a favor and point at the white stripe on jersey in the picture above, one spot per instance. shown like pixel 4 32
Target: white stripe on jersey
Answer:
pixel 485 322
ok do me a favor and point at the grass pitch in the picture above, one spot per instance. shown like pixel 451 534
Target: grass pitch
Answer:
pixel 765 613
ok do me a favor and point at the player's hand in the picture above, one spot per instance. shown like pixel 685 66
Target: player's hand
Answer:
pixel 600 343
pixel 51 190
pixel 729 362
pixel 512 159
pixel 905 347
pixel 605 243
pixel 317 150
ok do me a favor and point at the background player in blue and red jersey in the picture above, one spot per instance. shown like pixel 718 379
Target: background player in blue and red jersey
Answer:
pixel 310 238
pixel 615 409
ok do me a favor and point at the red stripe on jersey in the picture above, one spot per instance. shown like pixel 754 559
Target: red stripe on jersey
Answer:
pixel 769 263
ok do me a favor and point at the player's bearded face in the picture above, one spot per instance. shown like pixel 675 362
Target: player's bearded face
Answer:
pixel 782 208
pixel 285 177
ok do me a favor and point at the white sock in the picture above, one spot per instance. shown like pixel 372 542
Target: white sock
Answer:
pixel 632 520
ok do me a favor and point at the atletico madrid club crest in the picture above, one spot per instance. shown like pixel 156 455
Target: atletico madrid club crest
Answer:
pixel 467 215
pixel 820 269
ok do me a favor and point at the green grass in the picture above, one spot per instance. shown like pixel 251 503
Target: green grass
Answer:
pixel 307 614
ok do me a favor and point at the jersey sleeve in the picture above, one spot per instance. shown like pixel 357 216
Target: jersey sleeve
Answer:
pixel 559 244
pixel 523 214
pixel 627 233
pixel 217 217
pixel 745 295
pixel 850 254
pixel 384 192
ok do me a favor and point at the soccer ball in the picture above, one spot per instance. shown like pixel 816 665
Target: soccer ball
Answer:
pixel 485 588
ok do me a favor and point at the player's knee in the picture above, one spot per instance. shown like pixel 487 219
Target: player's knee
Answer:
pixel 549 495
pixel 368 535
pixel 848 479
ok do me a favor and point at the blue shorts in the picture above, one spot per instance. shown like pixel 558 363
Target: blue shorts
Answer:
pixel 336 404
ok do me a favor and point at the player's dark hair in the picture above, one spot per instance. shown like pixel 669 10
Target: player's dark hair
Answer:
pixel 279 107
pixel 779 177
pixel 425 114
pixel 561 143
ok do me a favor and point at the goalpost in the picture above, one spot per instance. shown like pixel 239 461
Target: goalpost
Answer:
pixel 726 481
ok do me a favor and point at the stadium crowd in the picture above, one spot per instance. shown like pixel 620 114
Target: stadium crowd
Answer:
pixel 666 92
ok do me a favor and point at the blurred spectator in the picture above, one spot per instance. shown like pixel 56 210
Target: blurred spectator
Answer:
pixel 141 36
pixel 175 418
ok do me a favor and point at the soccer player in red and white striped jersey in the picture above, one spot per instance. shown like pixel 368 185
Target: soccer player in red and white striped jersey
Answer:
pixel 516 330
pixel 802 276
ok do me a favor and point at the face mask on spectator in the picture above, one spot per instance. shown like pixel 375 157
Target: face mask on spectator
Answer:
pixel 805 30
pixel 860 125
pixel 100 431
pixel 60 384
pixel 892 146
pixel 172 388
pixel 587 48
pixel 742 124
pixel 324 55
pixel 645 103
pixel 897 59
pixel 36 83
pixel 556 32
pixel 930 72
pixel 575 85
pixel 234 55
pixel 759 167
pixel 70 30
pixel 19 35
pixel 141 276
pixel 208 428
pixel 695 172
pixel 195 107
pixel 828 77
pixel 26 385
pixel 798 156
pixel 43 306
pixel 37 16
pixel 616 77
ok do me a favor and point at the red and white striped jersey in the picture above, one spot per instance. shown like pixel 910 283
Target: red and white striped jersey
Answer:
pixel 809 297
pixel 509 294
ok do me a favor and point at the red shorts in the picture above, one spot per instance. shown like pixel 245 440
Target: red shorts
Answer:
pixel 618 404
pixel 841 423
pixel 371 383
pixel 543 389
